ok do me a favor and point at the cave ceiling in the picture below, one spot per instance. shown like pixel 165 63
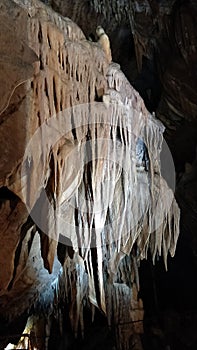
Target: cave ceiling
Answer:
pixel 51 63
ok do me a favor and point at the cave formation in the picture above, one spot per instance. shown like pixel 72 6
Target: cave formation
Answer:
pixel 98 177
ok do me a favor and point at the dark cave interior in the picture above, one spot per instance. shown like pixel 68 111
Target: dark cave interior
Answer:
pixel 169 297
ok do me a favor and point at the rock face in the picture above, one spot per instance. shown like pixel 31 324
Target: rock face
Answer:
pixel 162 34
pixel 80 166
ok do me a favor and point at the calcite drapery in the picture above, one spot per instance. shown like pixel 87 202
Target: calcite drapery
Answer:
pixel 106 197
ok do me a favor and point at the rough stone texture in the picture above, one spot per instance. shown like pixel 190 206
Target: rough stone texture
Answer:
pixel 60 69
pixel 163 30
pixel 164 33
pixel 12 220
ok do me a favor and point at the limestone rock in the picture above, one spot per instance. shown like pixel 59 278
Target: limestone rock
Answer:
pixel 77 177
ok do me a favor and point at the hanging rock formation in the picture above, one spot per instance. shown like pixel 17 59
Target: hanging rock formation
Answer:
pixel 80 166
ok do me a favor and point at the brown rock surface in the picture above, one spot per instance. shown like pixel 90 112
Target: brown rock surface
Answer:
pixel 45 132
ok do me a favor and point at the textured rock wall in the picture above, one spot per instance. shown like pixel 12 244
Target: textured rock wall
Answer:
pixel 164 33
pixel 60 70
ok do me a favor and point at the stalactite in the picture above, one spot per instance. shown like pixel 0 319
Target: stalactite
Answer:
pixel 86 183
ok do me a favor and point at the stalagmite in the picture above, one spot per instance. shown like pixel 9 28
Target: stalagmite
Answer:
pixel 103 40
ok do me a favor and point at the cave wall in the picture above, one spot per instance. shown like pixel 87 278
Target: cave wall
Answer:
pixel 61 81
